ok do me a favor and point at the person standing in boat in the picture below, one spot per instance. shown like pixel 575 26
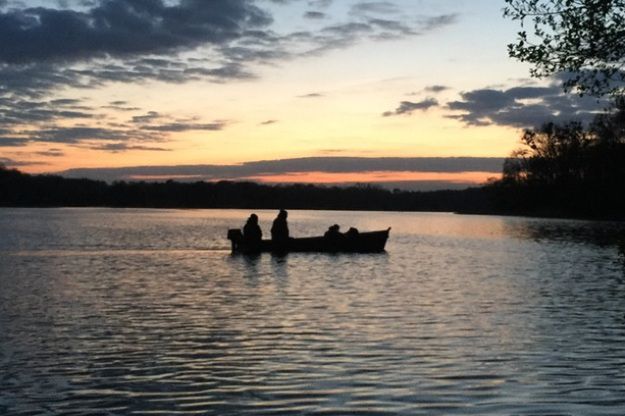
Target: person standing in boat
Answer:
pixel 280 229
pixel 252 234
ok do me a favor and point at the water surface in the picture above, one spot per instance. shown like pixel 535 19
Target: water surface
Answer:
pixel 113 311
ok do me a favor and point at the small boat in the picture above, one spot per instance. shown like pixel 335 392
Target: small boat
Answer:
pixel 363 242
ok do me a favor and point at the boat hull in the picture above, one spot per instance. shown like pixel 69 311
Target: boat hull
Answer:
pixel 365 242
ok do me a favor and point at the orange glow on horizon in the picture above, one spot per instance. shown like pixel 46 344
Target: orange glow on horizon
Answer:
pixel 375 177
pixel 340 178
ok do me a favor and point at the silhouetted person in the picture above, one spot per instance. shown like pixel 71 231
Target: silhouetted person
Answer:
pixel 280 229
pixel 352 233
pixel 333 237
pixel 252 234
pixel 333 232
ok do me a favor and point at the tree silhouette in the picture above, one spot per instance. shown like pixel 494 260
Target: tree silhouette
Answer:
pixel 18 189
pixel 552 155
pixel 569 169
pixel 581 37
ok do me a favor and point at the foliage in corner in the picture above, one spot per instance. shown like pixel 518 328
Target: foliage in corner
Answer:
pixel 584 40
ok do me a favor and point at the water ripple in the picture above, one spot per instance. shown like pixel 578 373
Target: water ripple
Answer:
pixel 144 312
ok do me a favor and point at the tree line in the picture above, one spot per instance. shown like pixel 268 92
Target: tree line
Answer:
pixel 570 169
pixel 18 189
pixel 561 178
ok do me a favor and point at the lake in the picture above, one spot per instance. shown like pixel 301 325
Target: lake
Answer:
pixel 146 312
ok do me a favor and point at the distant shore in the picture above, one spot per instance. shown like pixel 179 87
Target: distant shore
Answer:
pixel 18 189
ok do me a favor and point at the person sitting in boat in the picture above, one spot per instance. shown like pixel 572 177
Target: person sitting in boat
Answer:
pixel 252 234
pixel 280 228
pixel 352 233
pixel 333 232
pixel 334 237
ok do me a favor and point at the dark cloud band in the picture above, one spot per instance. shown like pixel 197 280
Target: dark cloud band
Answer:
pixel 285 166
pixel 122 28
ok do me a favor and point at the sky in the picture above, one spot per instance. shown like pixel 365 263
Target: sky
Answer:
pixel 418 94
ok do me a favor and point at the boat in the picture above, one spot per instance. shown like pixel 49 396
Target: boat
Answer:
pixel 362 242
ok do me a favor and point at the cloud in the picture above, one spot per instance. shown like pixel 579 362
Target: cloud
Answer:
pixel 484 100
pixel 122 28
pixel 136 41
pixel 36 79
pixel 51 153
pixel 125 41
pixel 435 89
pixel 77 134
pixel 65 101
pixel 124 147
pixel 15 112
pixel 288 166
pixel 174 71
pixel 154 121
pixel 185 126
pixel 407 107
pixel 523 107
pixel 7 141
pixel 311 95
pixel 120 106
pixel 59 121
pixel 5 161
pixel 268 122
pixel 33 115
pixel 374 7
pixel 437 22
pixel 320 4
pixel 146 118
pixel 314 15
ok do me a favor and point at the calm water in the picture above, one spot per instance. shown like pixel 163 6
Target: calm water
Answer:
pixel 145 312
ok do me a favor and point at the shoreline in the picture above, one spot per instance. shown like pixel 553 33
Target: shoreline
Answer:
pixel 549 216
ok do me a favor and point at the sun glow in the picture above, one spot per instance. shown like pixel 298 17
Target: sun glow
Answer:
pixel 375 177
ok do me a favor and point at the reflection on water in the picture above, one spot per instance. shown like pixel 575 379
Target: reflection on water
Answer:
pixel 146 312
pixel 602 233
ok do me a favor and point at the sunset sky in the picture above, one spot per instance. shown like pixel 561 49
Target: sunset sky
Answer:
pixel 319 90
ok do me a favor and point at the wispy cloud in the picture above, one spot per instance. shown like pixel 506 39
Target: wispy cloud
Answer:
pixel 64 121
pixel 124 147
pixel 11 163
pixel 315 15
pixel 51 153
pixel 408 107
pixel 435 89
pixel 186 126
pixel 311 95
pixel 375 8
pixel 268 122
